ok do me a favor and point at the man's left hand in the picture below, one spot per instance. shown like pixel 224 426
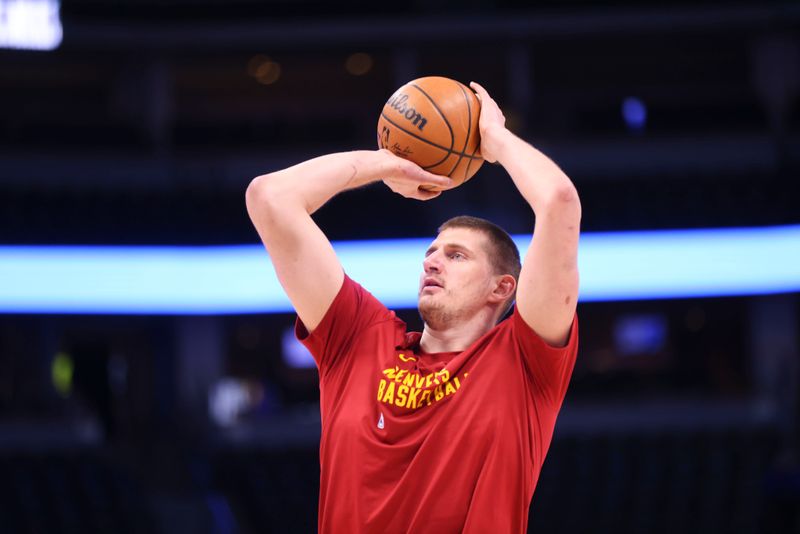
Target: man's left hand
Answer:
pixel 492 124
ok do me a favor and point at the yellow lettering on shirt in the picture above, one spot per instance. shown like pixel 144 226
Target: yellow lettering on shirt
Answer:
pixel 426 396
pixel 445 374
pixel 388 397
pixel 412 398
pixel 402 391
pixel 390 373
pixel 406 388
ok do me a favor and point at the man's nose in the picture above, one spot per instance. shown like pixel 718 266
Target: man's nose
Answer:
pixel 431 263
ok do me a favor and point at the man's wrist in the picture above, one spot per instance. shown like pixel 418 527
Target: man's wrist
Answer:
pixel 366 166
pixel 503 141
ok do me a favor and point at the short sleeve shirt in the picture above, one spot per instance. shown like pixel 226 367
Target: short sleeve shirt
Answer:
pixel 418 442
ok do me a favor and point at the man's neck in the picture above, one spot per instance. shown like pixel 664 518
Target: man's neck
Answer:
pixel 457 336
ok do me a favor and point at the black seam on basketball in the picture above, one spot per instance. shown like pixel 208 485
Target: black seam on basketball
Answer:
pixel 441 114
pixel 415 136
pixel 471 159
pixel 469 131
pixel 429 167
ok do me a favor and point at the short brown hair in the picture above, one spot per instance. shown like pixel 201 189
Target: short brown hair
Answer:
pixel 503 253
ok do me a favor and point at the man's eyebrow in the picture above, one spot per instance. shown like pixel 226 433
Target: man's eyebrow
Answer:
pixel 458 246
pixel 452 245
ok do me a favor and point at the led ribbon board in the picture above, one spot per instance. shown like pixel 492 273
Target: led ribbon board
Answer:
pixel 30 24
pixel 240 279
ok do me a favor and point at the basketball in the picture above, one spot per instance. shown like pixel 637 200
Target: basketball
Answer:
pixel 433 121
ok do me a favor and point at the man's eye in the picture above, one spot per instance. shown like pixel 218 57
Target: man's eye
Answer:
pixel 457 256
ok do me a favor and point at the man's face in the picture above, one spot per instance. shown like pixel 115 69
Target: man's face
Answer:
pixel 456 278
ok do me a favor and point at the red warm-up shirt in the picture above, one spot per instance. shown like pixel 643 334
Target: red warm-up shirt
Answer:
pixel 418 442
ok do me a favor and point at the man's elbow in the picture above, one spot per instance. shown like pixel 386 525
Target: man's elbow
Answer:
pixel 565 193
pixel 564 201
pixel 264 194
pixel 256 189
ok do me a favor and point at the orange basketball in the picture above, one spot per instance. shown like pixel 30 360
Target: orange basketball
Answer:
pixel 433 121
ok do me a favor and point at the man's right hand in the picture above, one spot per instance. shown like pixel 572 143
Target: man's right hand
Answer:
pixel 406 178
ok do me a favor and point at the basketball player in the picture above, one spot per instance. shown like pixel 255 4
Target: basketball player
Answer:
pixel 444 430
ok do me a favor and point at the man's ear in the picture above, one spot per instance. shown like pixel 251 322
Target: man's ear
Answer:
pixel 504 288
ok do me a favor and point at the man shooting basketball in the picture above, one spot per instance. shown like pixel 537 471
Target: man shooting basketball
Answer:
pixel 444 430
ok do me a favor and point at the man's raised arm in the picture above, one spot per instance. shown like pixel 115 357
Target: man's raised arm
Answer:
pixel 547 292
pixel 280 205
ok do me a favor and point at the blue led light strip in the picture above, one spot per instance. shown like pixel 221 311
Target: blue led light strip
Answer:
pixel 240 279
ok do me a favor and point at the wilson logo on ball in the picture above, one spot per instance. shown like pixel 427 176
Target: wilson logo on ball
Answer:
pixel 398 103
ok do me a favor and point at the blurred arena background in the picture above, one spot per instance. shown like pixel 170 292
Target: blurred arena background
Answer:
pixel 141 123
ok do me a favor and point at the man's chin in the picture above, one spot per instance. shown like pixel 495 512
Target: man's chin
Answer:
pixel 427 302
pixel 423 306
pixel 432 315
